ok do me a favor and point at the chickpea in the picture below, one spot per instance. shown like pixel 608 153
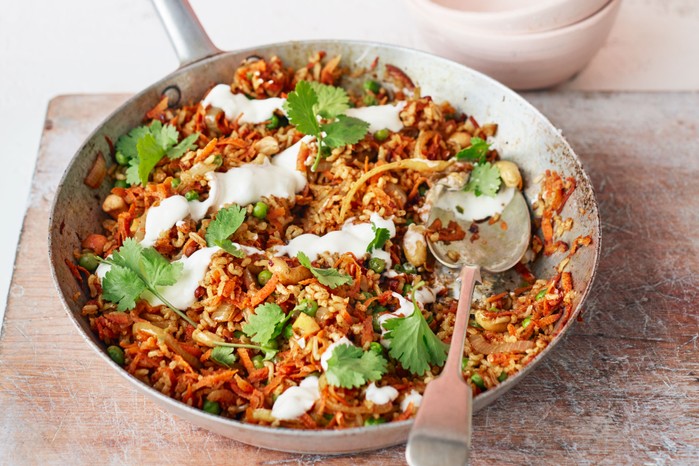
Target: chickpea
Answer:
pixel 114 205
pixel 509 172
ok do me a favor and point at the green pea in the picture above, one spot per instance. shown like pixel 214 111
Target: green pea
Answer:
pixel 526 321
pixel 377 308
pixel 89 261
pixel 478 381
pixel 367 295
pixel 369 100
pixel 217 161
pixel 191 195
pixel 377 264
pixel 381 135
pixel 117 354
pixel 263 277
pixel 464 363
pixel 502 377
pixel 398 268
pixel 371 85
pixel 260 210
pixel 121 159
pixel 121 184
pixel 409 268
pixel 277 122
pixel 375 322
pixel 422 190
pixel 288 332
pixel 375 347
pixel 258 361
pixel 325 151
pixel 175 182
pixel 238 334
pixel 307 306
pixel 409 221
pixel 540 295
pixel 212 407
pixel 374 421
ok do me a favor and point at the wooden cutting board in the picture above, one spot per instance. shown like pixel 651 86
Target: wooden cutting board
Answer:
pixel 623 388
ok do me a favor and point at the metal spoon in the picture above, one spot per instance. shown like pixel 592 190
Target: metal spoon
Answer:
pixel 441 434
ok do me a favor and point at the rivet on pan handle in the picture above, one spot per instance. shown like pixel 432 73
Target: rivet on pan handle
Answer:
pixel 186 33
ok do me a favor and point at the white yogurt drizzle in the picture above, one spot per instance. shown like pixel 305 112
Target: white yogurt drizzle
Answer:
pixel 413 397
pixel 237 105
pixel 468 207
pixel 380 396
pixel 241 185
pixel 352 238
pixel 380 116
pixel 297 400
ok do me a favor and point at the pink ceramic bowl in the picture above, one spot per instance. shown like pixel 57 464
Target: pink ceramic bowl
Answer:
pixel 511 16
pixel 523 61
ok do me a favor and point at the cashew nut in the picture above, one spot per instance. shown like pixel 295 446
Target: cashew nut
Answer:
pixel 459 140
pixel 509 172
pixel 498 324
pixel 414 245
pixel 267 146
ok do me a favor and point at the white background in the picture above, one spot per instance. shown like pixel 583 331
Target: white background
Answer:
pixel 86 46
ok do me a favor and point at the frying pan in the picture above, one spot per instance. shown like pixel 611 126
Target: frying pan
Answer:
pixel 524 136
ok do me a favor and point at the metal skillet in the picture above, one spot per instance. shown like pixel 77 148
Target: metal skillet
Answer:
pixel 524 136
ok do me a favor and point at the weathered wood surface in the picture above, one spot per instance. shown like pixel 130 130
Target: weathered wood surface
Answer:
pixel 623 388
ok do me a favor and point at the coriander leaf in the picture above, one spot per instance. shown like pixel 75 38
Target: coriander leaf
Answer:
pixel 157 270
pixel 329 277
pixel 128 255
pixel 344 130
pixel 165 135
pixel 149 154
pixel 122 286
pixel 332 101
pixel 132 172
pixel 265 324
pixel 227 222
pixel 223 355
pixel 185 145
pixel 139 269
pixel 350 367
pixel 476 152
pixel 484 180
pixel 413 343
pixel 381 235
pixel 127 144
pixel 299 108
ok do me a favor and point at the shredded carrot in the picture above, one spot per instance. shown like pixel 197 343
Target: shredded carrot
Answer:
pixel 497 297
pixel 215 379
pixel 157 111
pixel 245 359
pixel 265 291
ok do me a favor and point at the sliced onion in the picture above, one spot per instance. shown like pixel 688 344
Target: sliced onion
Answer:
pixel 480 345
pixel 162 335
pixel 97 172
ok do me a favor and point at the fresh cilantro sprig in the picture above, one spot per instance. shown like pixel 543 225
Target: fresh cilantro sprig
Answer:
pixel 476 152
pixel 266 324
pixel 311 103
pixel 484 180
pixel 329 277
pixel 135 269
pixel 381 235
pixel 224 355
pixel 227 222
pixel 143 147
pixel 350 367
pixel 413 343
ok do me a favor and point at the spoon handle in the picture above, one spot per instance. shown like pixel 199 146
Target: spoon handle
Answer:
pixel 441 434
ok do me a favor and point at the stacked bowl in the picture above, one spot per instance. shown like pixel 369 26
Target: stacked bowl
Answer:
pixel 525 44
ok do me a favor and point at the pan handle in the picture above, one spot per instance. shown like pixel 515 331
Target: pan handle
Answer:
pixel 186 33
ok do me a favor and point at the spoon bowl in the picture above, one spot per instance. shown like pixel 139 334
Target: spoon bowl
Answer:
pixel 442 430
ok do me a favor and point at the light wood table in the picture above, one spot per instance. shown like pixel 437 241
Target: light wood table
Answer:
pixel 623 388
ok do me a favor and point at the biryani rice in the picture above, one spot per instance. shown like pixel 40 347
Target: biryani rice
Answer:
pixel 162 350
